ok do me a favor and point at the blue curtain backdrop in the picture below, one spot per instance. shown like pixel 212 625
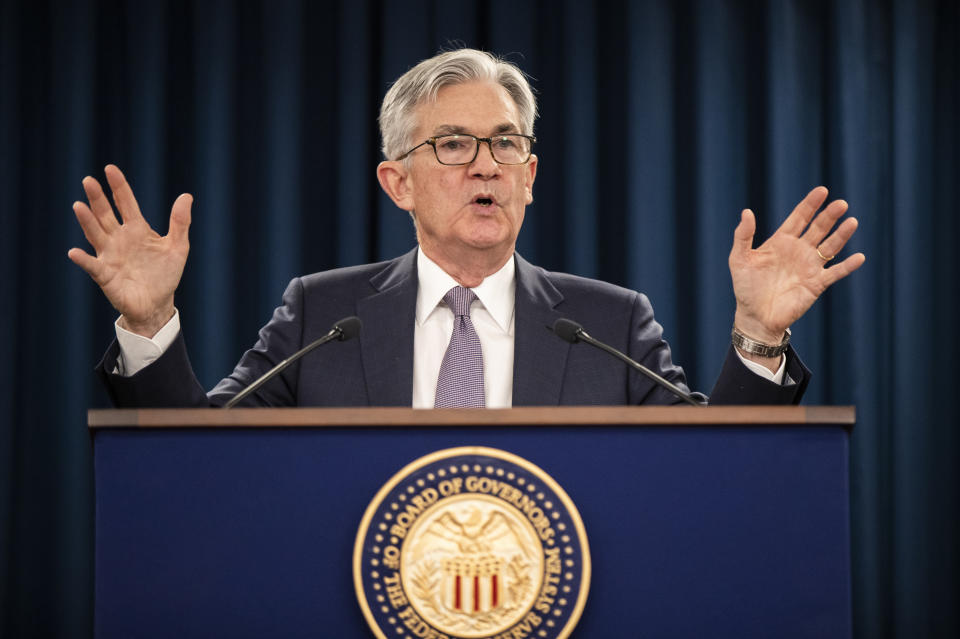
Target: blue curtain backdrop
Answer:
pixel 660 122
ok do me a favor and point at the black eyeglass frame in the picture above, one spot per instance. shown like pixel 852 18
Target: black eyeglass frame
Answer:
pixel 432 141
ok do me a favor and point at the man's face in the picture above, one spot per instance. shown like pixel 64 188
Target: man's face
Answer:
pixel 472 207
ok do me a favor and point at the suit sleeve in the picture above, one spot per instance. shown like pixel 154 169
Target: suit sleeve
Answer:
pixel 170 382
pixel 738 385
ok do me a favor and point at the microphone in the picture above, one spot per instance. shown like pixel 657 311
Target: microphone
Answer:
pixel 347 328
pixel 572 332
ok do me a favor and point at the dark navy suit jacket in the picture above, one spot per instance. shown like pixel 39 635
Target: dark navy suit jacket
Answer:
pixel 377 368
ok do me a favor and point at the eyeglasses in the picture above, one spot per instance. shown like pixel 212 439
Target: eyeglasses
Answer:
pixel 457 149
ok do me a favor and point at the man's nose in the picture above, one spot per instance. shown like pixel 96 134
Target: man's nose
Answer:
pixel 484 165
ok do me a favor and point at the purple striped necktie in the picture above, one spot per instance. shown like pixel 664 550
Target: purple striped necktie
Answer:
pixel 460 384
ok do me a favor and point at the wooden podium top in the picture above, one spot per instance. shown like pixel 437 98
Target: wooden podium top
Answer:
pixel 521 416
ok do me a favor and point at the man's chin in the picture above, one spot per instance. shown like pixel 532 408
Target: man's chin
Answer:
pixel 488 226
pixel 488 238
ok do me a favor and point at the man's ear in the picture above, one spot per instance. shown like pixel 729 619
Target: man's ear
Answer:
pixel 531 175
pixel 395 181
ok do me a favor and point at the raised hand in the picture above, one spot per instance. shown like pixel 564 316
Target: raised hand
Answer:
pixel 137 269
pixel 778 281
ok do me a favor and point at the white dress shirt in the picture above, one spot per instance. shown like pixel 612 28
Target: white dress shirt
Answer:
pixel 492 315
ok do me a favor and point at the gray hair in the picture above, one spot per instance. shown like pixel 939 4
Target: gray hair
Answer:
pixel 424 81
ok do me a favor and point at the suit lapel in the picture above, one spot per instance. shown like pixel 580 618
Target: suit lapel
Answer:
pixel 539 356
pixel 386 341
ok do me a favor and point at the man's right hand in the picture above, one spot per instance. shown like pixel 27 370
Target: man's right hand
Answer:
pixel 137 269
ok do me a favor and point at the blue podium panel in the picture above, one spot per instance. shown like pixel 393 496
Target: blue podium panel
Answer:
pixel 693 531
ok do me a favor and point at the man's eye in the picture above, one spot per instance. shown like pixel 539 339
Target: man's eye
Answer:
pixel 505 143
pixel 452 145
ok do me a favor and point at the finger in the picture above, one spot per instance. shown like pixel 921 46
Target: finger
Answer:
pixel 180 217
pixel 123 194
pixel 85 261
pixel 822 224
pixel 743 234
pixel 804 212
pixel 100 205
pixel 839 238
pixel 90 226
pixel 841 270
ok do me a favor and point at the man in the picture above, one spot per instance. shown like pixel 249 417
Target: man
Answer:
pixel 457 134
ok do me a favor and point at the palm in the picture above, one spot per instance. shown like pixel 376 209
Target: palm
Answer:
pixel 777 282
pixel 137 269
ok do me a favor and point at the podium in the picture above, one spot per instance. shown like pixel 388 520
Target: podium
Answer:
pixel 716 521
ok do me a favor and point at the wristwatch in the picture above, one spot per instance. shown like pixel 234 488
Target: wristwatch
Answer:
pixel 759 349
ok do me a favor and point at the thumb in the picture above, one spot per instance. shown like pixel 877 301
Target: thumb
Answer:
pixel 180 216
pixel 743 234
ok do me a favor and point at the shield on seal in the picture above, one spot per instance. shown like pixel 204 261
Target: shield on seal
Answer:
pixel 473 585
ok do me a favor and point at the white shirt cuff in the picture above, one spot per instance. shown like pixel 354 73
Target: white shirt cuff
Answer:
pixel 138 352
pixel 763 371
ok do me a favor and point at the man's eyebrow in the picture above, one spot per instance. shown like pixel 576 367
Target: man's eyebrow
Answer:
pixel 450 129
pixel 506 127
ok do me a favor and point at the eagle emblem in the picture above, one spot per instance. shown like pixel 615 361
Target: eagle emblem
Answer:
pixel 471 543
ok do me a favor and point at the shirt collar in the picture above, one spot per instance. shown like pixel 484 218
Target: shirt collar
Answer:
pixel 496 292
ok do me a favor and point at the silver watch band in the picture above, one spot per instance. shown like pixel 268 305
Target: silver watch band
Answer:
pixel 759 349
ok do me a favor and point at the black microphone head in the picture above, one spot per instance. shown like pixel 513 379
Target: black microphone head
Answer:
pixel 349 327
pixel 567 330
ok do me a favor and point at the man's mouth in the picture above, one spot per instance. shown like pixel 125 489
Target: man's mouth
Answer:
pixel 483 200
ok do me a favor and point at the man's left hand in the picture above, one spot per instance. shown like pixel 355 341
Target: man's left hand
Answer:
pixel 778 281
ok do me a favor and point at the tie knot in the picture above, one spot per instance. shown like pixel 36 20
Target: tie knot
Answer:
pixel 459 300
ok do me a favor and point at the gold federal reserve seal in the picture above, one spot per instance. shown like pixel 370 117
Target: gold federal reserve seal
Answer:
pixel 471 543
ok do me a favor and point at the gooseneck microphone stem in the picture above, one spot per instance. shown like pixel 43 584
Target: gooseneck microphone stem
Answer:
pixel 673 388
pixel 573 332
pixel 345 329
